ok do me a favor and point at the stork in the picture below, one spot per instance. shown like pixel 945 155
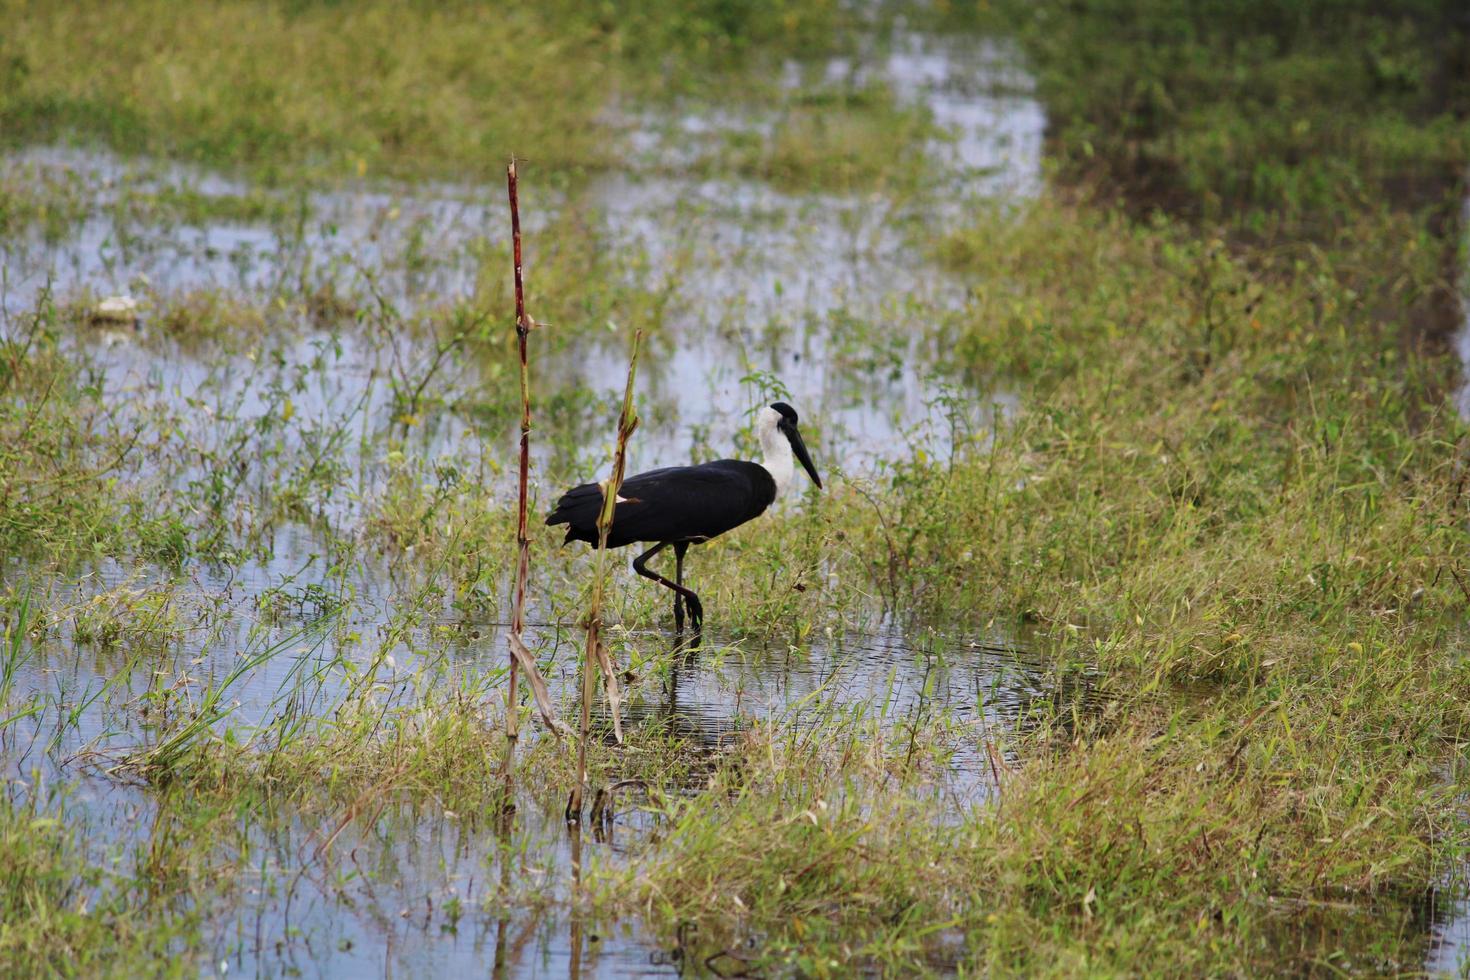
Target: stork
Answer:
pixel 684 505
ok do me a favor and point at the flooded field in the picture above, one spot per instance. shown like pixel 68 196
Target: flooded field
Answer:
pixel 423 878
pixel 749 284
pixel 260 701
pixel 758 292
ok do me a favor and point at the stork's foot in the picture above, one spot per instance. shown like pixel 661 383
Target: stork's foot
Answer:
pixel 696 612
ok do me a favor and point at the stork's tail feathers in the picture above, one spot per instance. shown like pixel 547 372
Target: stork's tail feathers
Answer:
pixel 578 508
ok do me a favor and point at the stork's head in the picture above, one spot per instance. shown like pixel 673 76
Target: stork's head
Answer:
pixel 776 426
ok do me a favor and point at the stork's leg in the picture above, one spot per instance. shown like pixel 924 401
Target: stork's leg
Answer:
pixel 679 548
pixel 640 565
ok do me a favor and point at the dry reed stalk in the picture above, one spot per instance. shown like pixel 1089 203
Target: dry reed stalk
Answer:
pixel 596 655
pixel 519 655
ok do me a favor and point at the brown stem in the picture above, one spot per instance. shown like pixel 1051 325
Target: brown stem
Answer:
pixel 596 653
pixel 523 542
pixel 520 657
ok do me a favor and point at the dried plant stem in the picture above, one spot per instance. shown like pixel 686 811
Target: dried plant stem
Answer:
pixel 523 543
pixel 596 653
pixel 520 656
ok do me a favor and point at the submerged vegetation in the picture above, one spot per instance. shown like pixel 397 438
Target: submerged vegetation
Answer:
pixel 1134 648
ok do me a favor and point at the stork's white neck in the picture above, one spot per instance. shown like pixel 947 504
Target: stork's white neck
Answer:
pixel 779 461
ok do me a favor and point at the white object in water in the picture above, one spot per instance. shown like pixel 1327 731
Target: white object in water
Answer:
pixel 116 309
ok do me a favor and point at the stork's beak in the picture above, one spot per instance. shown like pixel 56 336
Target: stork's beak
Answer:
pixel 799 448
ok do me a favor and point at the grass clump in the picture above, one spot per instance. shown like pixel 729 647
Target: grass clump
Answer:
pixel 63 457
pixel 52 202
pixel 65 915
pixel 1144 842
pixel 1186 401
pixel 845 140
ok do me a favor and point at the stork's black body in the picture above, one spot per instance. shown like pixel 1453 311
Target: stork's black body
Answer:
pixel 684 505
pixel 675 504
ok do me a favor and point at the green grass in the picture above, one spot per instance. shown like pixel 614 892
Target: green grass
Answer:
pixel 1117 853
pixel 63 465
pixel 1233 491
pixel 385 89
pixel 67 915
pixel 1230 492
pixel 1276 119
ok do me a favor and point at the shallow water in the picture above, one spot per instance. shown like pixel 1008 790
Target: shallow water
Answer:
pixel 289 913
pixel 786 283
pixel 787 288
pixel 782 277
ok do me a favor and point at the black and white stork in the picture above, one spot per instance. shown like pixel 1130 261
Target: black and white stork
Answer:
pixel 684 505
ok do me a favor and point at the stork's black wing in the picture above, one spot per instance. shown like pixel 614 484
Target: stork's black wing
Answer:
pixel 677 503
